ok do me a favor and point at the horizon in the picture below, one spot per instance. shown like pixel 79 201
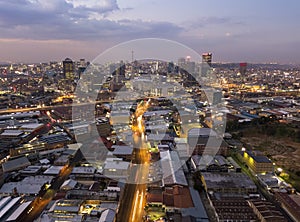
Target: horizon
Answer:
pixel 3 63
pixel 35 31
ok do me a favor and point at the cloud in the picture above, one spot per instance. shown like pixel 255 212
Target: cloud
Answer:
pixel 74 20
pixel 206 21
pixel 55 12
pixel 95 5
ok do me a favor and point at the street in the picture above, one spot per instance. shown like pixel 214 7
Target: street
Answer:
pixel 43 199
pixel 133 200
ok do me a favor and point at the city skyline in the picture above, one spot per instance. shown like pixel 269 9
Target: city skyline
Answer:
pixel 252 31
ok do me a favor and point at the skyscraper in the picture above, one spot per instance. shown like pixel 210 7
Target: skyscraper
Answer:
pixel 81 67
pixel 68 69
pixel 207 58
pixel 243 68
pixel 206 64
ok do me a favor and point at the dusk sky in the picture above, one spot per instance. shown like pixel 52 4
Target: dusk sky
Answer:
pixel 234 31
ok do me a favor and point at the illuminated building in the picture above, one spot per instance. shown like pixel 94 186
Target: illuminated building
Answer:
pixel 257 163
pixel 243 68
pixel 207 58
pixel 81 67
pixel 206 64
pixel 68 69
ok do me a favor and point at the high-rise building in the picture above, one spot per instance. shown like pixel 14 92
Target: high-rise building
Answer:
pixel 119 73
pixel 207 58
pixel 181 62
pixel 82 65
pixel 69 69
pixel 243 68
pixel 206 64
pixel 187 64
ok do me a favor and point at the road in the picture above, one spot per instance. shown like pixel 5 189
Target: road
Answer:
pixel 28 109
pixel 134 196
pixel 43 199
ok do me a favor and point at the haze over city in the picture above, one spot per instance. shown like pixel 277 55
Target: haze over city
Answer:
pixel 253 31
pixel 149 111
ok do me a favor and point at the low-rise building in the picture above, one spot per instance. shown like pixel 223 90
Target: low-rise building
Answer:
pixel 266 211
pixel 15 164
pixel 258 163
pixel 290 203
pixel 116 168
pixel 230 183
pixel 124 152
pixel 215 163
pixel 232 209
pixel 29 186
pixel 205 141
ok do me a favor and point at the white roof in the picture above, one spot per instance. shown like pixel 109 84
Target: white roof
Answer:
pixel 172 170
pixel 29 185
pixel 53 170
pixel 14 216
pixel 9 206
pixel 69 184
pixel 44 161
pixel 4 201
pixel 107 216
pixel 32 126
pixel 120 165
pixel 74 146
pixel 12 133
pixel 84 170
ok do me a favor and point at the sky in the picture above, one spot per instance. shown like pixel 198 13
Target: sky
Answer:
pixel 234 31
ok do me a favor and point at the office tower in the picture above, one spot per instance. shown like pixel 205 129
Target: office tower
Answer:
pixel 171 67
pixel 81 67
pixel 69 69
pixel 181 62
pixel 206 64
pixel 119 73
pixel 243 68
pixel 82 63
pixel 207 58
pixel 186 64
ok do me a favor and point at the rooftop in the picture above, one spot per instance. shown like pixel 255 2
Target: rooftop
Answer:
pixel 31 126
pixel 122 150
pixel 107 216
pixel 53 170
pixel 171 167
pixel 84 170
pixel 202 132
pixel 118 165
pixel 227 180
pixel 29 185
pixel 14 133
pixel 15 164
pixel 259 158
